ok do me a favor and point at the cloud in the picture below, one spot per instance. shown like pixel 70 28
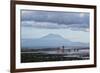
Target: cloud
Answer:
pixel 50 25
pixel 55 20
pixel 46 25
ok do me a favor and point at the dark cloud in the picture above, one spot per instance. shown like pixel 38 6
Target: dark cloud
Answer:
pixel 51 19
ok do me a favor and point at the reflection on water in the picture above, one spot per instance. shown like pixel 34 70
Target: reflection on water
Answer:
pixel 54 55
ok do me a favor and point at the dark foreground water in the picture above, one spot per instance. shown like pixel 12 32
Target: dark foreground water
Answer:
pixel 45 56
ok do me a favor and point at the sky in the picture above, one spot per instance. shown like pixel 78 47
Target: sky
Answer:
pixel 70 25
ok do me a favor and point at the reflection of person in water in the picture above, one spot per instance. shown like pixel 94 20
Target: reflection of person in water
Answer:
pixel 62 49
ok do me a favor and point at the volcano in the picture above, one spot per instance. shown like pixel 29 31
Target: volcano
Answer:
pixel 49 41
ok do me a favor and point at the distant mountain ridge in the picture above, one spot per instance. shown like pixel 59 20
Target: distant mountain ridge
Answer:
pixel 49 41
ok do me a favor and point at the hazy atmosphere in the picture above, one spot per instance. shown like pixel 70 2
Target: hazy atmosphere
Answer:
pixel 69 25
pixel 54 36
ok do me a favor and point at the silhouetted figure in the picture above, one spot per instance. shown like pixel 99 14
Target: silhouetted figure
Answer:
pixel 62 49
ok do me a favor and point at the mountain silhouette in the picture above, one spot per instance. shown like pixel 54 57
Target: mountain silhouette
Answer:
pixel 49 41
